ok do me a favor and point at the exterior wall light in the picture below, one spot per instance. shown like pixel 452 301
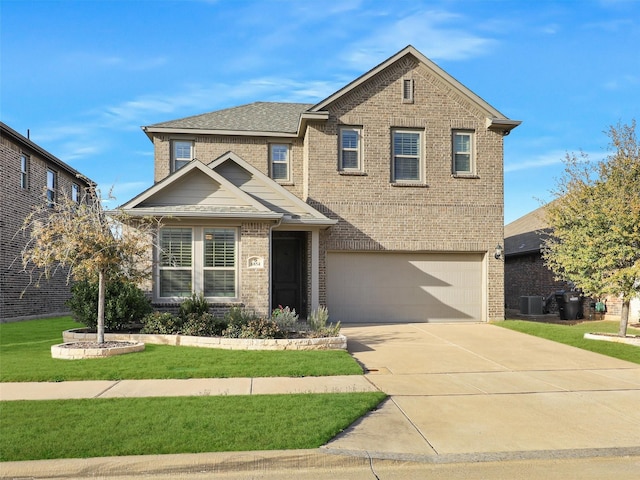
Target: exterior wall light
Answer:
pixel 499 252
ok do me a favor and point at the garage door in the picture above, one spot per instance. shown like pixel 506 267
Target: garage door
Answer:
pixel 404 287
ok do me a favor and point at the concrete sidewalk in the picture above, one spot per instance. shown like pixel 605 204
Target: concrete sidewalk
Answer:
pixel 466 395
pixel 182 388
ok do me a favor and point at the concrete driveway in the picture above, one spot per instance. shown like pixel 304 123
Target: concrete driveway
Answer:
pixel 469 392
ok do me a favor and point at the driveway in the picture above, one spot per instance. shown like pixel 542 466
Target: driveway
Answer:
pixel 469 392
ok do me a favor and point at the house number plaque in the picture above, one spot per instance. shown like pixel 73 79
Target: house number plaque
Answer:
pixel 256 262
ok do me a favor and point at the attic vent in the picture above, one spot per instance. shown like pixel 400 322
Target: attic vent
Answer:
pixel 407 90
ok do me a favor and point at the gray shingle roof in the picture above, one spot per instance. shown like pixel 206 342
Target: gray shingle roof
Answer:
pixel 252 117
pixel 525 234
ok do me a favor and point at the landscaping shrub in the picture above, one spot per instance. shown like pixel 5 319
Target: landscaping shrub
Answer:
pixel 317 322
pixel 285 318
pixel 125 304
pixel 260 328
pixel 161 323
pixel 236 318
pixel 195 304
pixel 203 325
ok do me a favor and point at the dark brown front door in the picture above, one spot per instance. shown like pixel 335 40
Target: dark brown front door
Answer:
pixel 288 284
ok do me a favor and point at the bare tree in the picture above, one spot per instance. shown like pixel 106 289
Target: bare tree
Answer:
pixel 88 242
pixel 595 218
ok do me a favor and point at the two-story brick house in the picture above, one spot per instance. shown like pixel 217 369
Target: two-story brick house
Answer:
pixel 27 174
pixel 383 202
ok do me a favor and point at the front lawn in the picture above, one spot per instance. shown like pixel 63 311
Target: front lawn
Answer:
pixel 25 356
pixel 574 335
pixel 33 430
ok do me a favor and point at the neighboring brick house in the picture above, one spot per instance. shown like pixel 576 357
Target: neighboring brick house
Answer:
pixel 525 273
pixel 383 202
pixel 28 173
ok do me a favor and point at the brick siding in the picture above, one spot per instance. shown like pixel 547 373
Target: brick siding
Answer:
pixel 20 298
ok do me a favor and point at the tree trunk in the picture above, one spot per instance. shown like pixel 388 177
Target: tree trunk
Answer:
pixel 624 318
pixel 101 289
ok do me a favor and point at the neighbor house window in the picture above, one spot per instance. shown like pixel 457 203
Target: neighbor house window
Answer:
pixel 176 262
pixel 406 155
pixel 350 148
pixel 182 153
pixel 407 90
pixel 75 193
pixel 198 260
pixel 463 161
pixel 279 159
pixel 219 262
pixel 51 188
pixel 24 172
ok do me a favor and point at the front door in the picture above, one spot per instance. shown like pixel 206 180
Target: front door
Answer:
pixel 289 278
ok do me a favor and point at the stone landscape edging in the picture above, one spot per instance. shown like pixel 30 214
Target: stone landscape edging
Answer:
pixel 68 351
pixel 323 343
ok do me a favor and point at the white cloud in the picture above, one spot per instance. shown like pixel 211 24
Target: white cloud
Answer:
pixel 553 157
pixel 438 34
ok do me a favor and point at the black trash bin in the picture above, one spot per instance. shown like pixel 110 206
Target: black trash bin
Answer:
pixel 569 305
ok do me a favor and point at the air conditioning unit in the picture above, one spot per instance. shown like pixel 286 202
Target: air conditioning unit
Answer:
pixel 531 305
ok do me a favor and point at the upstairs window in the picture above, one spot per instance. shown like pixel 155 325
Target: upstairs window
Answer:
pixel 182 153
pixel 75 193
pixel 406 156
pixel 463 147
pixel 24 172
pixel 279 160
pixel 407 90
pixel 350 149
pixel 51 188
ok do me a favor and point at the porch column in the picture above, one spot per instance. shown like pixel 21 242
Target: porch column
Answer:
pixel 315 269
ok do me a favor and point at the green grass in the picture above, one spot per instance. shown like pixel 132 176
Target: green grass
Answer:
pixel 574 335
pixel 144 426
pixel 25 356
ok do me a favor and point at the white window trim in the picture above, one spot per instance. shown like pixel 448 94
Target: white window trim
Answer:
pixel 75 192
pixel 197 265
pixel 421 156
pixel 51 189
pixel 358 150
pixel 472 153
pixel 24 171
pixel 174 158
pixel 287 162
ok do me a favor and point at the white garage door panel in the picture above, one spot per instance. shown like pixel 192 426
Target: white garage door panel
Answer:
pixel 404 287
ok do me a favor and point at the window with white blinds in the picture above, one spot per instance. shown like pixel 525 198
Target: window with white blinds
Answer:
pixel 198 260
pixel 350 148
pixel 279 156
pixel 220 262
pixel 406 155
pixel 176 261
pixel 463 152
pixel 182 153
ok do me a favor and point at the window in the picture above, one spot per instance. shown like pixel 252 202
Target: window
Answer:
pixel 279 154
pixel 219 262
pixel 75 193
pixel 24 172
pixel 182 153
pixel 350 148
pixel 463 152
pixel 407 90
pixel 51 188
pixel 176 255
pixel 194 260
pixel 406 156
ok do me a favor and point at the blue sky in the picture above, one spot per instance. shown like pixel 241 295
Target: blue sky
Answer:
pixel 84 76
